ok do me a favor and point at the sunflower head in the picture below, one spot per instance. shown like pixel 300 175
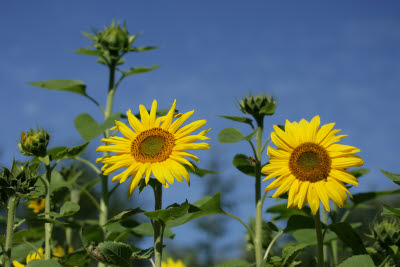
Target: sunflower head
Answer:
pixel 257 106
pixel 310 164
pixel 34 143
pixel 153 146
pixel 171 263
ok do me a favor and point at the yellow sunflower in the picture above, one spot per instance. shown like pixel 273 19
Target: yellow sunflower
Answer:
pixel 155 146
pixel 37 205
pixel 310 165
pixel 171 263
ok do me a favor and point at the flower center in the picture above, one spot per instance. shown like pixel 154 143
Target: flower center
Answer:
pixel 153 145
pixel 310 162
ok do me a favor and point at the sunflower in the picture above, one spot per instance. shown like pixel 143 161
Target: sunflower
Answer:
pixel 37 205
pixel 171 263
pixel 310 165
pixel 155 146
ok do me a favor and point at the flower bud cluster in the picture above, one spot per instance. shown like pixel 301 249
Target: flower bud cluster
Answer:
pixel 386 233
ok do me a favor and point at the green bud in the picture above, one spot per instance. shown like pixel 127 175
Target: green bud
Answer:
pixel 258 106
pixel 386 233
pixel 114 39
pixel 20 180
pixel 34 143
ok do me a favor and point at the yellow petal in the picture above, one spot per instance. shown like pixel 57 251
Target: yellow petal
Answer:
pixel 343 176
pixel 134 122
pixel 190 128
pixel 347 162
pixel 153 112
pixel 168 118
pixel 312 198
pixel 174 127
pixel 144 117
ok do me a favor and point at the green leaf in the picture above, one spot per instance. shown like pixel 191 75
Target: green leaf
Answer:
pixel 392 176
pixel 143 48
pixel 297 222
pixel 290 253
pixel 91 234
pixel 43 263
pixel 116 253
pixel 230 135
pixel 63 152
pixel 390 211
pixel 197 171
pixel 20 251
pixel 238 119
pixel 166 215
pixel 139 70
pixel 123 215
pixel 146 229
pixel 243 164
pixel 358 261
pixel 206 206
pixel 90 129
pixel 88 52
pixel 74 86
pixel 76 258
pixel 69 208
pixel 308 236
pixel 363 197
pixel 235 263
pixel 268 109
pixel 359 172
pixel 347 234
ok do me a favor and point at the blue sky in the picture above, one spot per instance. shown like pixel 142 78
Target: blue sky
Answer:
pixel 339 60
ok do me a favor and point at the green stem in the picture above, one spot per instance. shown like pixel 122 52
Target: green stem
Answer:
pixel 271 244
pixel 88 163
pixel 334 244
pixel 12 205
pixel 68 232
pixel 320 240
pixel 259 202
pixel 243 223
pixel 325 221
pixel 157 226
pixel 47 226
pixel 104 178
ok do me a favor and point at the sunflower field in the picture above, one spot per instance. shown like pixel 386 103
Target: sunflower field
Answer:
pixel 164 181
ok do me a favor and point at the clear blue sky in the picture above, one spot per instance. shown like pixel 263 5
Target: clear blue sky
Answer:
pixel 338 59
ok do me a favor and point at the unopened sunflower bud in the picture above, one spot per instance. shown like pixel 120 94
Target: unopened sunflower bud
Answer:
pixel 386 233
pixel 34 143
pixel 114 39
pixel 258 106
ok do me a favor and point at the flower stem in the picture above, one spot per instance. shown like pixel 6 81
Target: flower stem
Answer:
pixel 157 226
pixel 259 201
pixel 320 240
pixel 103 216
pixel 47 226
pixel 12 204
pixel 271 244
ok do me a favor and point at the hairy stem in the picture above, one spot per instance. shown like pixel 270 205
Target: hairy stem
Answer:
pixel 47 226
pixel 157 226
pixel 259 202
pixel 12 204
pixel 320 240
